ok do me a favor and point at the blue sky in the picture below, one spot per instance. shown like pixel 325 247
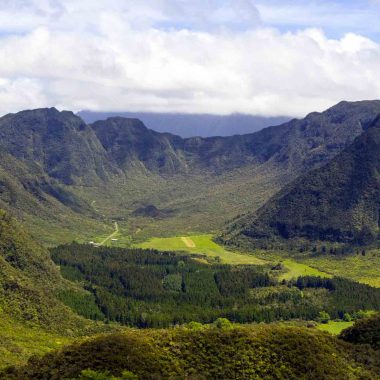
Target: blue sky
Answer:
pixel 335 17
pixel 204 56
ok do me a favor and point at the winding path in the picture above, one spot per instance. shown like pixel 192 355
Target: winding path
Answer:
pixel 110 236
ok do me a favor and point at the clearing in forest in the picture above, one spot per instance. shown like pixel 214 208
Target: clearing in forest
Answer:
pixel 201 244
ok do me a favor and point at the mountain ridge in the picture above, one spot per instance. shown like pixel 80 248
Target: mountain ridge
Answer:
pixel 61 162
pixel 336 202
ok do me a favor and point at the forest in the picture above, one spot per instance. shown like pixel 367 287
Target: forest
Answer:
pixel 149 288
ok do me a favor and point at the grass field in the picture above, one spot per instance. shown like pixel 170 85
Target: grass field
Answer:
pixel 334 327
pixel 202 244
pixel 296 269
pixel 364 269
pixel 205 245
pixel 357 267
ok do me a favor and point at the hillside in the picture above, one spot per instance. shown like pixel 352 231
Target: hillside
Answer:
pixel 192 179
pixel 33 320
pixel 338 202
pixel 259 352
pixel 91 174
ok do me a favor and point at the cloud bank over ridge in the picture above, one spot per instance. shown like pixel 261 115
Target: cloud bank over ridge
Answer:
pixel 178 56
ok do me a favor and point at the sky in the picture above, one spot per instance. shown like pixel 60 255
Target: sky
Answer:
pixel 268 58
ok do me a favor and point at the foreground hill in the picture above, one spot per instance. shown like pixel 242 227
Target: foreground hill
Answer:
pixel 365 331
pixel 338 202
pixel 52 160
pixel 266 352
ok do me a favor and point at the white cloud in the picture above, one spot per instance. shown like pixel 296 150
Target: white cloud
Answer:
pixel 20 93
pixel 133 55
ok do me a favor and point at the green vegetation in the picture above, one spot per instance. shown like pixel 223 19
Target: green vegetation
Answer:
pixel 201 244
pixel 334 327
pixel 296 269
pixel 70 179
pixel 148 288
pixel 118 180
pixel 357 267
pixel 20 341
pixel 204 244
pixel 337 202
pixel 32 318
pixel 364 331
pixel 259 352
pixel 29 280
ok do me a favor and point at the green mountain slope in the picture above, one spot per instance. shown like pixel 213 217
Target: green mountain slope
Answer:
pixel 338 202
pixel 29 281
pixel 191 180
pixel 32 319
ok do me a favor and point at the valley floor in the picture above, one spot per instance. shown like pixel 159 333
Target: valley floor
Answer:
pixel 359 268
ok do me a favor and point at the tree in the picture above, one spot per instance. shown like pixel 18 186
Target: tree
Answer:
pixel 323 317
pixel 222 323
pixel 194 325
pixel 365 236
pixel 347 317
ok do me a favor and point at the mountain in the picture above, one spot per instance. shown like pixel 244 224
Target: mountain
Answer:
pixel 190 125
pixel 130 143
pixel 337 202
pixel 60 144
pixel 296 145
pixel 197 177
pixel 66 178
